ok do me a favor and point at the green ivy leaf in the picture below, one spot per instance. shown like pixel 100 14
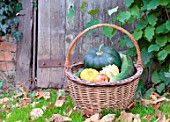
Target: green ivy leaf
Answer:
pixel 93 12
pixel 152 19
pixel 122 42
pixel 17 35
pixel 162 55
pixel 167 48
pixel 160 87
pixel 149 33
pixel 113 10
pixel 131 51
pixel 135 11
pixel 153 4
pixel 128 3
pixel 168 24
pixel 167 74
pixel 82 8
pixel 17 7
pixel 70 13
pixel 153 47
pixel 109 32
pixel 163 2
pixel 142 23
pixel 91 23
pixel 155 77
pixel 122 16
pixel 148 92
pixel 137 34
pixel 4 28
pixel 161 40
pixel 168 37
pixel 161 29
pixel 146 56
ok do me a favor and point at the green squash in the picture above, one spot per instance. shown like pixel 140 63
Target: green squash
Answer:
pixel 101 56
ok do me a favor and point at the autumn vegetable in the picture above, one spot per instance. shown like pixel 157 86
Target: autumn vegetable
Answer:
pixel 78 72
pixel 88 74
pixel 127 69
pixel 101 78
pixel 110 71
pixel 102 56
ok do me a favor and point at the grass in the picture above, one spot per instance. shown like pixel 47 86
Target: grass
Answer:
pixel 24 112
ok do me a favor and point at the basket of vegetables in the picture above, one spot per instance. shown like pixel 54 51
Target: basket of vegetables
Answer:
pixel 105 79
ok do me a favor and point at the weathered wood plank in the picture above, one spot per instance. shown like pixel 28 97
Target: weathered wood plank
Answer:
pixel 23 64
pixel 57 42
pixel 43 75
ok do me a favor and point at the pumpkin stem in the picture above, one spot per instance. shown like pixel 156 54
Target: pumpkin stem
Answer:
pixel 99 52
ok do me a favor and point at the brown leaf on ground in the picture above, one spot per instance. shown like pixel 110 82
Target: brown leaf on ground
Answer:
pixel 146 102
pixel 59 102
pixel 18 121
pixel 50 105
pixel 132 105
pixel 24 91
pixel 158 113
pixel 46 95
pixel 23 102
pixel 59 118
pixel 88 112
pixel 108 118
pixel 4 100
pixel 17 95
pixel 125 117
pixel 39 94
pixel 36 113
pixel 5 108
pixel 34 104
pixel 156 106
pixel 95 117
pixel 153 97
pixel 156 94
pixel 168 93
pixel 147 117
pixel 137 118
pixel 69 111
pixel 161 99
pixel 162 119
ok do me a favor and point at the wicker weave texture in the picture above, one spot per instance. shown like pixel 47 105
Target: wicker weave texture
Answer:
pixel 98 98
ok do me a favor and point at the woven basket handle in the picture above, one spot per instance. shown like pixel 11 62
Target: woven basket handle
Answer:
pixel 139 60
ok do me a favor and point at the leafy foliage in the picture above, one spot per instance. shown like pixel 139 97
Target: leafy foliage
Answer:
pixel 152 29
pixel 8 19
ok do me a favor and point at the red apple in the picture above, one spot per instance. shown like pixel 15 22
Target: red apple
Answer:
pixel 101 77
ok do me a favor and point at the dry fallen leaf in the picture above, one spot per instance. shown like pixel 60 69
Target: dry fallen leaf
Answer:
pixel 34 104
pixel 168 93
pixel 59 102
pixel 39 94
pixel 17 95
pixel 132 105
pixel 126 117
pixel 162 119
pixel 36 113
pixel 137 118
pixel 46 95
pixel 4 100
pixel 24 91
pixel 108 118
pixel 18 121
pixel 59 118
pixel 87 120
pixel 95 117
pixel 146 102
pixel 147 117
pixel 69 111
pixel 23 102
pixel 88 112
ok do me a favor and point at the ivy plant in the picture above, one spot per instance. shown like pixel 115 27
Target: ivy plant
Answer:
pixel 151 19
pixel 8 18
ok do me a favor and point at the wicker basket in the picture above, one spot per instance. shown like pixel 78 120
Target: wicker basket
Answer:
pixel 102 95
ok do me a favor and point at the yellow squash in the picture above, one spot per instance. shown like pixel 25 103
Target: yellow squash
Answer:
pixel 88 74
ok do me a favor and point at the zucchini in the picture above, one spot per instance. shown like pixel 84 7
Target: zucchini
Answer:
pixel 127 69
pixel 79 72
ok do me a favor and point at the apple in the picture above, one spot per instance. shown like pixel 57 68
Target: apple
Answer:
pixel 101 77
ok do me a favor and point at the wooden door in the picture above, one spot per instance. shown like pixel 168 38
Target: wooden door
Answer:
pixel 56 31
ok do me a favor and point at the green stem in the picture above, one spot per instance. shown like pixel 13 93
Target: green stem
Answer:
pixel 100 50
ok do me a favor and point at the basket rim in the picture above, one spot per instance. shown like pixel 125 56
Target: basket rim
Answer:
pixel 71 77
